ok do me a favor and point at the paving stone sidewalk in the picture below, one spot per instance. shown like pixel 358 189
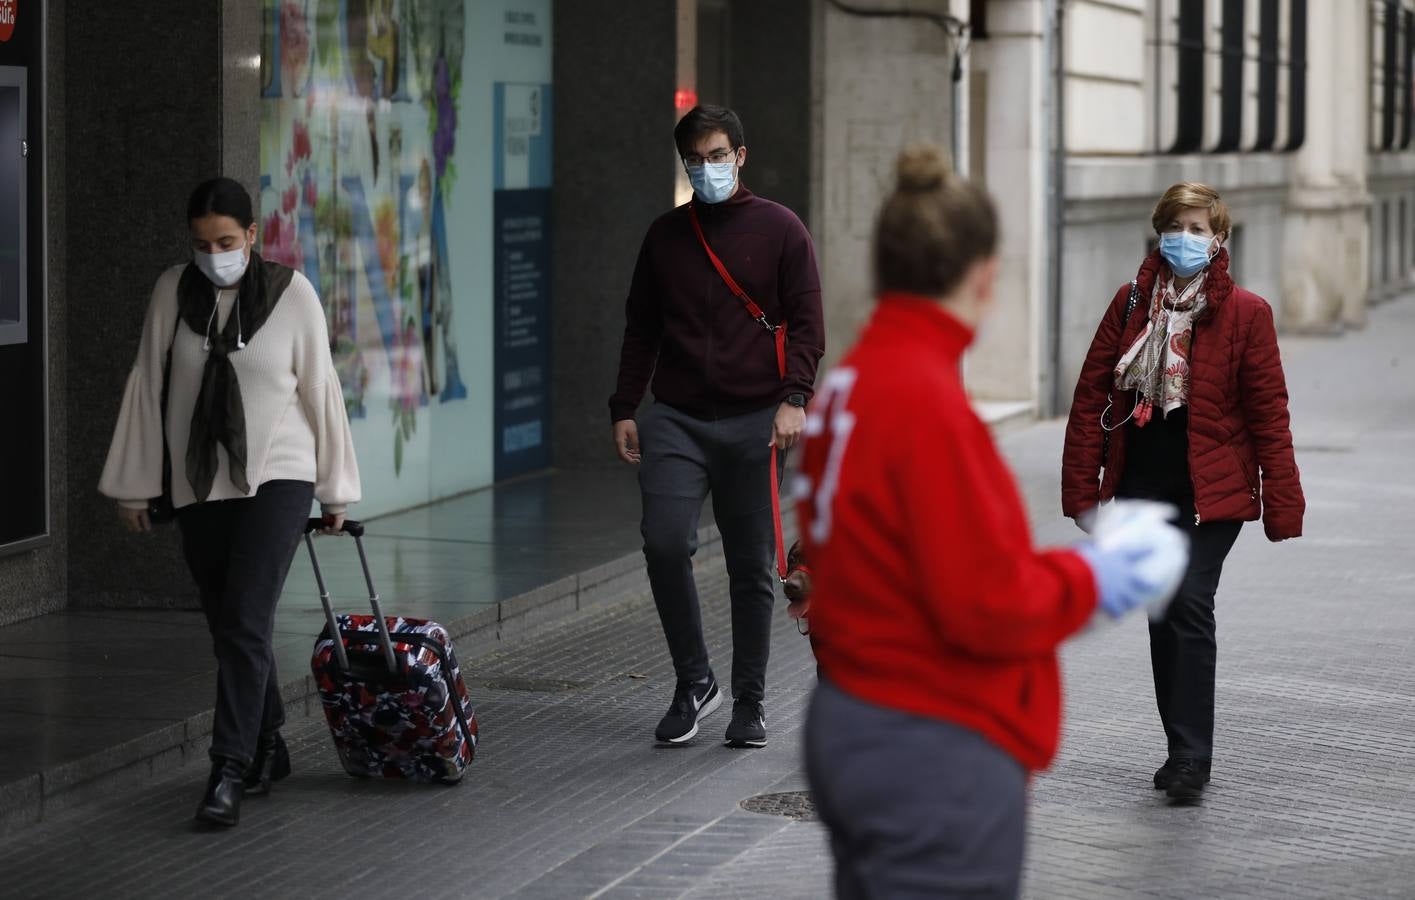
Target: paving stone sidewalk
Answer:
pixel 568 795
pixel 1314 783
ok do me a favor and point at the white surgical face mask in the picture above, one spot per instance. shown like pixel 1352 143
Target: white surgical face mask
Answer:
pixel 224 269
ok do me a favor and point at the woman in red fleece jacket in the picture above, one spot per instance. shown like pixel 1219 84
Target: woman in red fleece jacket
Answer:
pixel 1182 399
pixel 934 620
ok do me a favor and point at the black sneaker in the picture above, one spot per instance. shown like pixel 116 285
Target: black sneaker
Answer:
pixel 748 725
pixel 692 702
pixel 1164 775
pixel 1187 779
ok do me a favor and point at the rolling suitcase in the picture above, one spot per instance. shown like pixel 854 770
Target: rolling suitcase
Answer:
pixel 391 688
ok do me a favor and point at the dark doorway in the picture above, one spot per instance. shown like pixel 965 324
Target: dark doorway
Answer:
pixel 24 481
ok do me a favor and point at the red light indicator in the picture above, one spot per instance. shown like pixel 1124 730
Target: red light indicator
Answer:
pixel 685 99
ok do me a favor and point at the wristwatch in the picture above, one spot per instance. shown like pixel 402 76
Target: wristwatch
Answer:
pixel 797 400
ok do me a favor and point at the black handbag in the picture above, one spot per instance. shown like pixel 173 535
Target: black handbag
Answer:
pixel 160 508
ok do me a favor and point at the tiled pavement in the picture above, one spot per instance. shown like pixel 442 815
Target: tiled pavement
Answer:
pixel 566 795
pixel 1314 783
pixel 95 699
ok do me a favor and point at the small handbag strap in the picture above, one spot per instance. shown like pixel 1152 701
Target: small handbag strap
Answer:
pixel 776 518
pixel 779 334
pixel 166 379
pixel 167 368
pixel 1130 303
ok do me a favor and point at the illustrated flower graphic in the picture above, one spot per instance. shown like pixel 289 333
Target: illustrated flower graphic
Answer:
pixel 301 149
pixel 280 240
pixel 294 46
pixel 385 228
pixel 410 366
pixel 301 143
pixel 444 138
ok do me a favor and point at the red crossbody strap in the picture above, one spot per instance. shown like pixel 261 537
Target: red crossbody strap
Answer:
pixel 779 333
pixel 732 285
pixel 776 518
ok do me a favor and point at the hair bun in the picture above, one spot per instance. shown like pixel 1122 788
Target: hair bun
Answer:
pixel 922 167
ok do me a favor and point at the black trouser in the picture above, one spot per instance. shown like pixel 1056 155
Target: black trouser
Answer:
pixel 916 807
pixel 239 552
pixel 1184 644
pixel 683 460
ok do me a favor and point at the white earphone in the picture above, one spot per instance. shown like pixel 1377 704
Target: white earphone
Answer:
pixel 240 337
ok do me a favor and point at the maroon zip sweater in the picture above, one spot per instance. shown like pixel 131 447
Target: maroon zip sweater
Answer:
pixel 683 326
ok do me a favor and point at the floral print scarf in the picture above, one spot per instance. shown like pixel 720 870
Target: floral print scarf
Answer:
pixel 1157 364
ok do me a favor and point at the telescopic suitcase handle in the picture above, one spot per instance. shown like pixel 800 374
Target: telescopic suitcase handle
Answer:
pixel 356 531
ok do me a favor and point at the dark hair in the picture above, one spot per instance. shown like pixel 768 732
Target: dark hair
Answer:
pixel 701 121
pixel 222 197
pixel 932 227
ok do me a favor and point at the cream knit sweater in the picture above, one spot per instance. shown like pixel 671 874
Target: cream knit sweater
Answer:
pixel 296 425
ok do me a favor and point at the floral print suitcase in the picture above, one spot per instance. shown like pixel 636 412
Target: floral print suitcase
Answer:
pixel 391 689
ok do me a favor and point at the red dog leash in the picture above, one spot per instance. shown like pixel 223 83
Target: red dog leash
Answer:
pixel 779 333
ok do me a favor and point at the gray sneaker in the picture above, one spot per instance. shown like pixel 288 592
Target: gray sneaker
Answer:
pixel 748 725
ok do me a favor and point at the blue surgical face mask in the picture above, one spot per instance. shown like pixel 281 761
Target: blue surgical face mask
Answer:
pixel 713 182
pixel 1186 253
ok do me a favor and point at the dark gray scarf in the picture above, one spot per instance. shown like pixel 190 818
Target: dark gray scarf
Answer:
pixel 220 416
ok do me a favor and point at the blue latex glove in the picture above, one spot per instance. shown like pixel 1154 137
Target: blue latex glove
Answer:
pixel 1137 557
pixel 1119 588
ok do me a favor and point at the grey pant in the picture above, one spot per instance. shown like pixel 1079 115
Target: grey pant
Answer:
pixel 683 460
pixel 916 807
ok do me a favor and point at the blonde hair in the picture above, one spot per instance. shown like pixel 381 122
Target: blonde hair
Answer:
pixel 932 227
pixel 1192 195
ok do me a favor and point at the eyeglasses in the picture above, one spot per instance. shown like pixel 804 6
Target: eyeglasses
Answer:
pixel 716 157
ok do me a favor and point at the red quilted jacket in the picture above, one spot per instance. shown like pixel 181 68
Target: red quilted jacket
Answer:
pixel 1238 423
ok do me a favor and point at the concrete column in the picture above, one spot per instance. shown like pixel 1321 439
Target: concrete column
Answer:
pixel 242 27
pixel 770 65
pixel 150 133
pixel 1004 363
pixel 1325 246
pixel 614 170
pixel 880 83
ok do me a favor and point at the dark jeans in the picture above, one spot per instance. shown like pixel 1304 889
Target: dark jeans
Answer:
pixel 1184 644
pixel 916 807
pixel 683 461
pixel 239 552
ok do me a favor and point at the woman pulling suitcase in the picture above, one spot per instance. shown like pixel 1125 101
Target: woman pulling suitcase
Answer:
pixel 234 393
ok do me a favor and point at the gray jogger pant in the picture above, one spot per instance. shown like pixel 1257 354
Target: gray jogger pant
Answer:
pixel 917 807
pixel 683 461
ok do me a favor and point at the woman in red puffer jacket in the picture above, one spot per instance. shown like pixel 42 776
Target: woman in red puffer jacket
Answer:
pixel 1182 399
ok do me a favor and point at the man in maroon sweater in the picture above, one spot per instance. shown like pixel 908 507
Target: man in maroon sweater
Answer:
pixel 720 405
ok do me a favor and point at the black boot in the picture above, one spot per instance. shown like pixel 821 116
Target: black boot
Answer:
pixel 222 803
pixel 1188 780
pixel 270 763
pixel 1165 774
